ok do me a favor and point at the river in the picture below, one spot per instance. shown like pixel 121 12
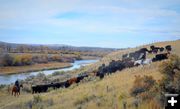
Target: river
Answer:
pixel 8 79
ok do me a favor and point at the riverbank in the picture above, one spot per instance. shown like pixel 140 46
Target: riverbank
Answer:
pixel 33 68
pixel 11 78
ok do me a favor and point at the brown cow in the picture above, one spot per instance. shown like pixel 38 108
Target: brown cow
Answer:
pixel 72 80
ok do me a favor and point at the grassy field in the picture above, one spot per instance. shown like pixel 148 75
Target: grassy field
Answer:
pixel 109 93
pixel 31 68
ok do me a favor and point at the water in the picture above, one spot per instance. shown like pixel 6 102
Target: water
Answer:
pixel 8 79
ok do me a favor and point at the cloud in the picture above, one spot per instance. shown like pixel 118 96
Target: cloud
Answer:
pixel 90 17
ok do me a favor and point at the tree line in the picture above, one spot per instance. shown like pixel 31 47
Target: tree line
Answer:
pixel 29 59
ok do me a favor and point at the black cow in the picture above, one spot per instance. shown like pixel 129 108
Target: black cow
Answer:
pixel 101 75
pixel 128 63
pixel 81 77
pixel 102 70
pixel 134 55
pixel 39 88
pixel 154 49
pixel 115 65
pixel 112 66
pixel 160 57
pixel 143 50
pixel 161 49
pixel 66 84
pixel 57 85
pixel 137 55
pixel 168 48
pixel 44 88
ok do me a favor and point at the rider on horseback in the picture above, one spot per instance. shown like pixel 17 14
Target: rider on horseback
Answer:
pixel 17 84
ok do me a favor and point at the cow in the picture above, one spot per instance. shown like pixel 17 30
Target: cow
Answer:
pixel 128 63
pixel 135 55
pixel 101 76
pixel 70 82
pixel 143 50
pixel 143 62
pixel 39 88
pixel 66 85
pixel 120 65
pixel 154 49
pixel 161 49
pixel 160 57
pixel 139 54
pixel 112 66
pixel 168 48
pixel 115 65
pixel 102 70
pixel 57 85
pixel 81 77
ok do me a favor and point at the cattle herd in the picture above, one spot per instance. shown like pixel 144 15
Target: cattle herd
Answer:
pixel 128 60
pixel 64 84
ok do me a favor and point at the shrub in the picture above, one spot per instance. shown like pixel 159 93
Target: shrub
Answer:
pixel 2 86
pixel 7 60
pixel 40 75
pixel 17 61
pixel 56 58
pixel 171 71
pixel 36 103
pixel 84 99
pixel 26 59
pixel 142 86
pixel 37 99
pixel 58 73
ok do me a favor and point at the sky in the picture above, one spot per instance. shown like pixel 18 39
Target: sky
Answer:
pixel 96 23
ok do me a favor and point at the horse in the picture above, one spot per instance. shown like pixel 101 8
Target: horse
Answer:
pixel 16 90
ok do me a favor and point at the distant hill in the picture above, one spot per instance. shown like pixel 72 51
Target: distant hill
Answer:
pixel 8 46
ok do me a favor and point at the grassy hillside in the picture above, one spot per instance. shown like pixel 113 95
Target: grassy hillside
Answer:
pixel 108 93
pixel 118 54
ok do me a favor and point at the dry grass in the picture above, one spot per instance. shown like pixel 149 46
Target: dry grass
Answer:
pixel 94 94
pixel 108 93
pixel 35 67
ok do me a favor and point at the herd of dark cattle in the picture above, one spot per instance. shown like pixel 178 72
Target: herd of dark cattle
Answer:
pixel 65 84
pixel 127 61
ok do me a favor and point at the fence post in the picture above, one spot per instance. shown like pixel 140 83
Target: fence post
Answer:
pixel 136 103
pixel 124 105
pixel 107 88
